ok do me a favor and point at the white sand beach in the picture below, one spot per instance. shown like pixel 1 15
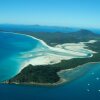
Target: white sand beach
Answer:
pixel 53 55
pixel 45 55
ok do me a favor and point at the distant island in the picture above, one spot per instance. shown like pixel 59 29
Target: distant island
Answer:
pixel 48 74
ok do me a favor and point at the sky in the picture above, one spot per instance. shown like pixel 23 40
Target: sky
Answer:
pixel 73 13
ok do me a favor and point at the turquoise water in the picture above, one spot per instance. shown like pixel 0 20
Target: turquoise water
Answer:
pixel 84 88
pixel 15 50
pixel 12 49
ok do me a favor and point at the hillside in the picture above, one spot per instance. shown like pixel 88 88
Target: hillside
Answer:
pixel 48 73
pixel 52 35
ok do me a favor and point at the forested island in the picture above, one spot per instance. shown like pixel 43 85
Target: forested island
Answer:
pixel 45 74
pixel 48 74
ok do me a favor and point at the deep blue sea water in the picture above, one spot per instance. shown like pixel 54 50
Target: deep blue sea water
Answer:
pixel 86 87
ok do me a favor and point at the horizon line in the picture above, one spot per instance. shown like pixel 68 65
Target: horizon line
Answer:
pixel 65 26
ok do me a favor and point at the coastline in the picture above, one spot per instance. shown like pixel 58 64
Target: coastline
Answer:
pixel 60 82
pixel 26 63
pixel 77 68
pixel 59 50
pixel 48 84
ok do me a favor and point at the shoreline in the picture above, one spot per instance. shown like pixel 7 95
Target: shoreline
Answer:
pixel 25 64
pixel 60 82
pixel 56 49
pixel 78 67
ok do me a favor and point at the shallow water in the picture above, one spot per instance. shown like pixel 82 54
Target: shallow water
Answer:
pixel 85 84
pixel 15 49
pixel 84 88
pixel 11 48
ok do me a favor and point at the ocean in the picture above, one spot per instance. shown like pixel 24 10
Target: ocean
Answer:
pixel 86 87
pixel 12 49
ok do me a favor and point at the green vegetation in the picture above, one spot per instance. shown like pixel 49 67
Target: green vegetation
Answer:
pixel 48 73
pixel 40 74
pixel 59 38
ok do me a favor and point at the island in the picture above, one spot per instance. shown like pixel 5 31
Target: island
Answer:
pixel 48 74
